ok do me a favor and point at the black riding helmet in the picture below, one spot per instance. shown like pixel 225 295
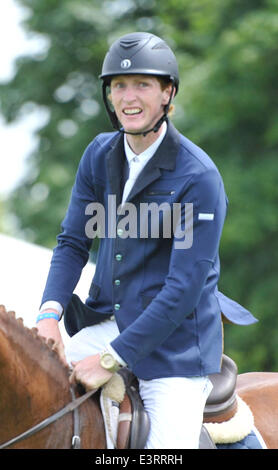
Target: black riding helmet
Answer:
pixel 144 54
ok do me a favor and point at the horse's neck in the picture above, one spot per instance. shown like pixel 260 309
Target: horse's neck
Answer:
pixel 33 382
pixel 33 385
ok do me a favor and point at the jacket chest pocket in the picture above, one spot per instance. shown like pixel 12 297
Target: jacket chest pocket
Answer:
pixel 160 192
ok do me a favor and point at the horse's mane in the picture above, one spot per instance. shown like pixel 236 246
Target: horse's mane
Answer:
pixel 14 330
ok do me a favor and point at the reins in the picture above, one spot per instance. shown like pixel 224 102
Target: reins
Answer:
pixel 70 407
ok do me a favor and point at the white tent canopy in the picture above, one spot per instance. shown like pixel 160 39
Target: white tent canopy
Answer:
pixel 23 272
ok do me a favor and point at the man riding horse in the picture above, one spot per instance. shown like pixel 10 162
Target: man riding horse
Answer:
pixel 153 304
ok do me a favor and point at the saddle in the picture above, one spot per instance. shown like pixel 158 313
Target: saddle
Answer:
pixel 221 404
pixel 134 426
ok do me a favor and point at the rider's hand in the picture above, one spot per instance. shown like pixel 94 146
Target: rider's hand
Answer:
pixel 90 373
pixel 49 329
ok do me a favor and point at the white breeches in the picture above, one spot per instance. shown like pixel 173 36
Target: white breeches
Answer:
pixel 175 405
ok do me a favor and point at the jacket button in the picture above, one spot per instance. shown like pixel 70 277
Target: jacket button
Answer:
pixel 120 232
pixel 117 282
pixel 119 257
pixel 117 306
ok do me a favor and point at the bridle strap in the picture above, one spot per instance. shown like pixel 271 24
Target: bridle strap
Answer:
pixel 76 440
pixel 71 407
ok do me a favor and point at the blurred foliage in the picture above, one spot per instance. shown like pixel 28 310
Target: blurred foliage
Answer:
pixel 227 104
pixel 2 208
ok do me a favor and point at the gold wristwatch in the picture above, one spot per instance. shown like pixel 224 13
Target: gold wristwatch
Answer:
pixel 108 362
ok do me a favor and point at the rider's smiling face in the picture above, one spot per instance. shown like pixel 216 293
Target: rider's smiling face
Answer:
pixel 138 101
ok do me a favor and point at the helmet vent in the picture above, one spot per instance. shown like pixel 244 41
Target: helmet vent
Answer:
pixel 128 43
pixel 160 45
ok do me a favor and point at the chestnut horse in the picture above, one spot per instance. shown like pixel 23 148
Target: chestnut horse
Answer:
pixel 260 391
pixel 35 386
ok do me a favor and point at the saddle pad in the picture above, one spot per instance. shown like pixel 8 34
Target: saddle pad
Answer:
pixel 112 394
pixel 254 440
pixel 110 413
pixel 126 421
pixel 235 429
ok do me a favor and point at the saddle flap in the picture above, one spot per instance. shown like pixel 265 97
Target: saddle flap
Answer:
pixel 222 399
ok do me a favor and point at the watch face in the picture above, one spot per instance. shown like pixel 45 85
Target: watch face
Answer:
pixel 108 360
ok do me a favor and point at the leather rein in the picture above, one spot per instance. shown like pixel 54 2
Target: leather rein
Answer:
pixel 70 407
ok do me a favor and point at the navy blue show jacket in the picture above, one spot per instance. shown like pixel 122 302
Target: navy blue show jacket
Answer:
pixel 164 298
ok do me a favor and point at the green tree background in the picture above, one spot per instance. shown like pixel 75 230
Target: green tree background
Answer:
pixel 227 104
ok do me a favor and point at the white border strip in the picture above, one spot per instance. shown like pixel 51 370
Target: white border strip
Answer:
pixel 205 216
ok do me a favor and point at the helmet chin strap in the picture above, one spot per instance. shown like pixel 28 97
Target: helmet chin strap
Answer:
pixel 153 129
pixel 115 122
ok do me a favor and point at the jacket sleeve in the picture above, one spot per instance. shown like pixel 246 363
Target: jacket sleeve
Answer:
pixel 188 270
pixel 72 251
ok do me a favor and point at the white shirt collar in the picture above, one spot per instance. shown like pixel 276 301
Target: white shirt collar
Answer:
pixel 145 156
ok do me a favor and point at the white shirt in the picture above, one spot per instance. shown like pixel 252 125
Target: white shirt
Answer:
pixel 136 164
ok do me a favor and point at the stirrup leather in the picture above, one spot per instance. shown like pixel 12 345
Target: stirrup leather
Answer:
pixel 134 425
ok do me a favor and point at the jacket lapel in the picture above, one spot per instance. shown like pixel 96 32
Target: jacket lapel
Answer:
pixel 114 163
pixel 165 157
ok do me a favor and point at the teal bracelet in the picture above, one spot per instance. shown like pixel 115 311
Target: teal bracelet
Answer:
pixel 42 316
